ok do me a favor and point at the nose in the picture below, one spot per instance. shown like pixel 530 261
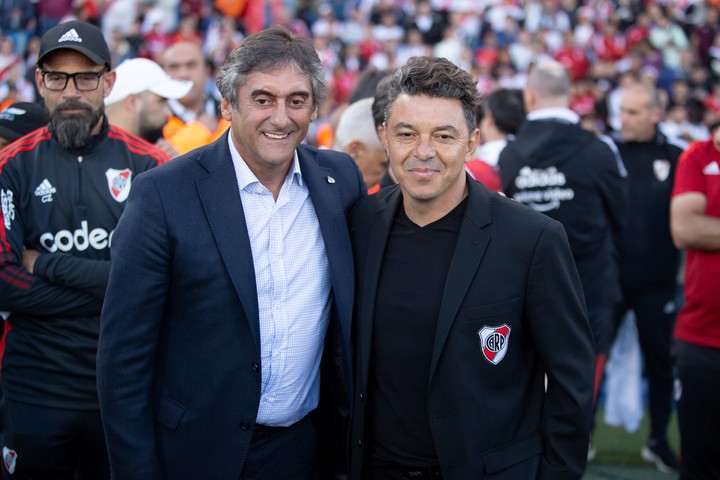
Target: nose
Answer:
pixel 280 118
pixel 424 150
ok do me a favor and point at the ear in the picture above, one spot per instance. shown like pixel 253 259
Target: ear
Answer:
pixel 131 101
pixel 355 149
pixel 528 99
pixel 314 114
pixel 656 115
pixel 109 81
pixel 226 109
pixel 382 133
pixel 472 144
pixel 39 80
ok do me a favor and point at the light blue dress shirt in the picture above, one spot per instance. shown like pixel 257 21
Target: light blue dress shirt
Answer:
pixel 293 285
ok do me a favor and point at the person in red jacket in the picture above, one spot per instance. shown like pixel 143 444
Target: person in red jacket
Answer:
pixel 695 226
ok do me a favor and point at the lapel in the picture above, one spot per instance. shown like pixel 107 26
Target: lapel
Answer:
pixel 377 240
pixel 220 198
pixel 322 184
pixel 469 250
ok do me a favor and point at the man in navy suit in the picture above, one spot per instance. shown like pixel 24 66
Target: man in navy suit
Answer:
pixel 467 301
pixel 231 288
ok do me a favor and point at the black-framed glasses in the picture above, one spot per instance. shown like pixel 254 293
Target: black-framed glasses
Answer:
pixel 84 81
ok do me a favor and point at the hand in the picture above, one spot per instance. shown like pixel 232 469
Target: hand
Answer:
pixel 28 260
pixel 167 147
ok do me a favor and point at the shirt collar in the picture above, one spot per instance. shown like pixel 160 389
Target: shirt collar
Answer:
pixel 246 177
pixel 562 114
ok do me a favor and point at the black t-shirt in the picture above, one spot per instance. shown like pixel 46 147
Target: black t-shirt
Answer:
pixel 411 284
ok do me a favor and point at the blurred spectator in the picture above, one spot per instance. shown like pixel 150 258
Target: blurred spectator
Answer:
pixel 19 119
pixel 356 136
pixel 17 22
pixel 509 34
pixel 648 259
pixel 609 45
pixel 703 35
pixel 572 57
pixel 353 30
pixel 412 47
pixel 521 52
pixel 326 25
pixel 155 34
pixel 676 125
pixel 498 13
pixel 195 120
pixel 138 101
pixel 428 22
pixel 50 12
pixel 582 98
pixel 187 30
pixel 221 38
pixel 499 119
pixel 584 29
pixel 450 47
pixel 14 87
pixel 670 39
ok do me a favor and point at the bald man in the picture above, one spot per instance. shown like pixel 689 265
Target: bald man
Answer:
pixel 648 259
pixel 356 136
pixel 577 178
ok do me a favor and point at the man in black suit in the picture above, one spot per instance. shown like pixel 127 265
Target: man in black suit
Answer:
pixel 466 302
pixel 231 288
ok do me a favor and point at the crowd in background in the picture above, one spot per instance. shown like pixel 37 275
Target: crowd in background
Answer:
pixel 673 44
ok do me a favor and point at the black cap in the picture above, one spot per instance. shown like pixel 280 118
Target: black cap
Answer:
pixel 21 118
pixel 79 36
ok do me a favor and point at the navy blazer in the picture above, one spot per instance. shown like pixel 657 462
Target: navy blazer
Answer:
pixel 511 275
pixel 179 352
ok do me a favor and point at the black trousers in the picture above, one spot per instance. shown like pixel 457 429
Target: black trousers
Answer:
pixel 699 412
pixel 655 312
pixel 289 454
pixel 42 443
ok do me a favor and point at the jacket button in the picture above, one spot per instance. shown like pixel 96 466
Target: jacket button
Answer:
pixel 255 367
pixel 362 397
pixel 360 442
pixel 244 425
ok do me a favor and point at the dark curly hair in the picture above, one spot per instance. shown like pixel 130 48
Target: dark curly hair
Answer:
pixel 437 78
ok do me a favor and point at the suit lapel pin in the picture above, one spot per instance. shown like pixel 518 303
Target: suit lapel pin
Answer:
pixel 330 180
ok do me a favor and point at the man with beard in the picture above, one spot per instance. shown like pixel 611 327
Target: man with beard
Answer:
pixel 63 188
pixel 138 102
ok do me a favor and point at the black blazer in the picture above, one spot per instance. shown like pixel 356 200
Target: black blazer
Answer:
pixel 512 273
pixel 179 351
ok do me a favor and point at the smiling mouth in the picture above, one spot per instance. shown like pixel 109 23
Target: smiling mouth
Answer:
pixel 275 136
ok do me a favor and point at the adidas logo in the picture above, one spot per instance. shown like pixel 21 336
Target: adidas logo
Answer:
pixel 45 191
pixel 712 169
pixel 70 36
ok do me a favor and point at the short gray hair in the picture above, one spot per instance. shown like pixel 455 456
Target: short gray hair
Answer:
pixel 356 123
pixel 549 79
pixel 267 51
